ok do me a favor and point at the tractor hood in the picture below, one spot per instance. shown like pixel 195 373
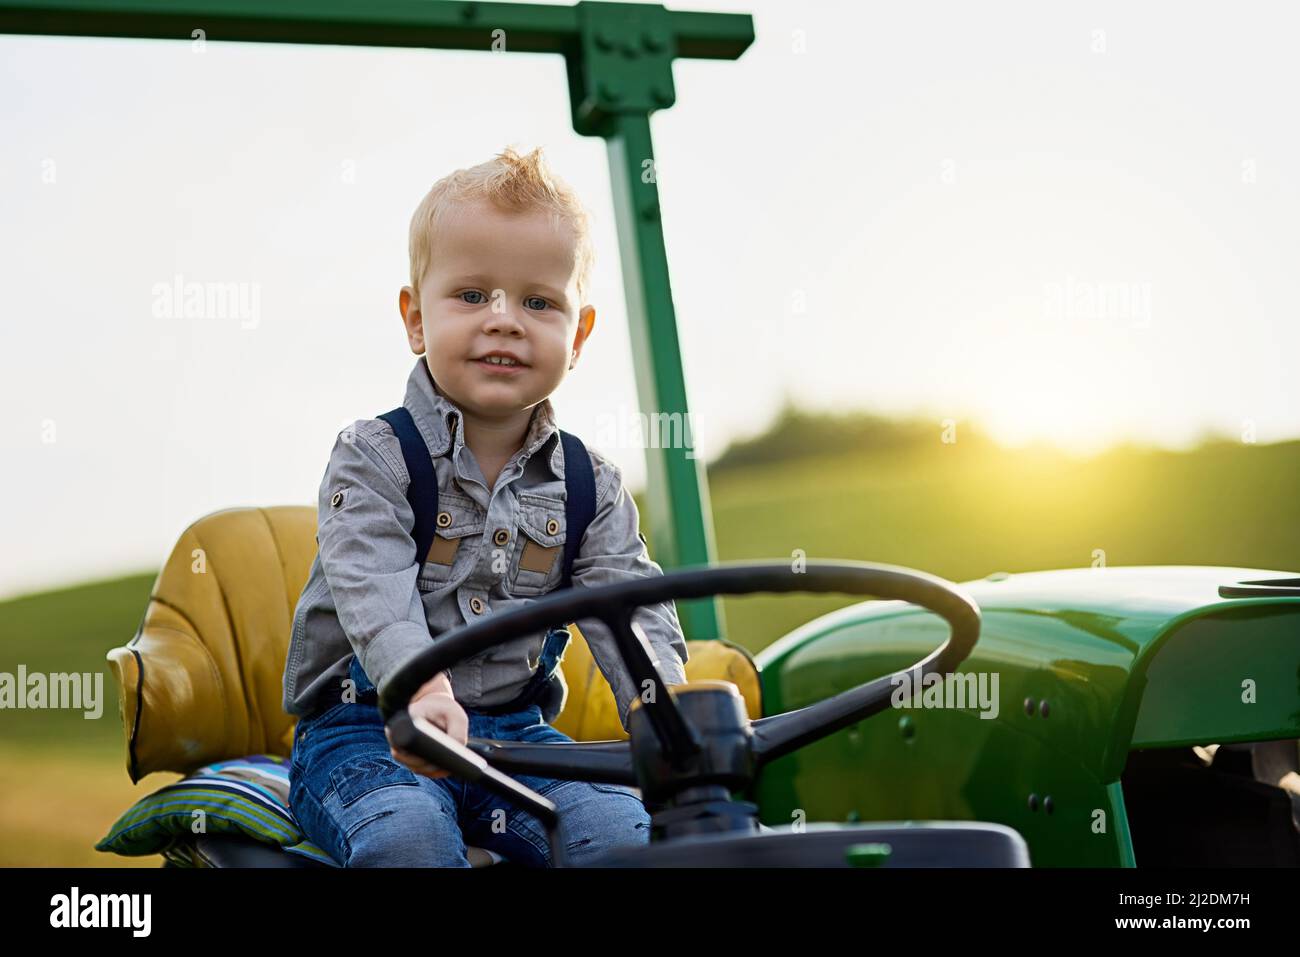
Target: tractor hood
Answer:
pixel 1134 604
pixel 1121 658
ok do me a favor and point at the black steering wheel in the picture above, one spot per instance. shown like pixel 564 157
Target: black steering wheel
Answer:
pixel 679 743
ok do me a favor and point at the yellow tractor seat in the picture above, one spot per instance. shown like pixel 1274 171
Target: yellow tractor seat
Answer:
pixel 202 679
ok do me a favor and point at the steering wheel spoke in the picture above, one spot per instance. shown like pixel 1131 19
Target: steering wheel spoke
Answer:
pixel 606 762
pixel 677 738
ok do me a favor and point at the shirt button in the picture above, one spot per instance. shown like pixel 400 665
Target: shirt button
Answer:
pixel 552 526
pixel 501 536
pixel 444 519
pixel 477 605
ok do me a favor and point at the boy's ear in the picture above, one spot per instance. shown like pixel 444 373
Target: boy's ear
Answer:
pixel 408 304
pixel 586 323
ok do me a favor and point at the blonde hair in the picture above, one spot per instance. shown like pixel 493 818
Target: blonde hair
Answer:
pixel 515 182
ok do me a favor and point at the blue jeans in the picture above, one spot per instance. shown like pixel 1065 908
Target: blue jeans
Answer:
pixel 363 808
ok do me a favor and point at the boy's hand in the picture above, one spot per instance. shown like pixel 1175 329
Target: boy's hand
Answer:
pixel 435 703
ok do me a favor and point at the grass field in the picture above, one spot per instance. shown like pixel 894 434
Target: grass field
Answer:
pixel 960 511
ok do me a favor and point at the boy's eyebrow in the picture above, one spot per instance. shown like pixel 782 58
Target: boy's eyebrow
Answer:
pixel 476 278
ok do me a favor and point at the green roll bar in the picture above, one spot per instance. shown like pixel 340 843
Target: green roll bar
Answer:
pixel 619 60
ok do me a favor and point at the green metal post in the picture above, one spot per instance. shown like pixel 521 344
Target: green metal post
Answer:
pixel 619 74
pixel 680 519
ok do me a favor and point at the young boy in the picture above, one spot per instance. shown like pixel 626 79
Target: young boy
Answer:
pixel 496 310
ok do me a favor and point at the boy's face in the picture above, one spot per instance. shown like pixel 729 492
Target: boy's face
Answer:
pixel 498 282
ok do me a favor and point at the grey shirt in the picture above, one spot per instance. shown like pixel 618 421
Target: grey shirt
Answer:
pixel 366 593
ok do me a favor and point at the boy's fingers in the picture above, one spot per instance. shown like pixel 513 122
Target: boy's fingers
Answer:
pixel 458 725
pixel 454 722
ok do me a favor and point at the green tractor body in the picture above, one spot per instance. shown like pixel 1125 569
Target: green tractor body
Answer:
pixel 1078 675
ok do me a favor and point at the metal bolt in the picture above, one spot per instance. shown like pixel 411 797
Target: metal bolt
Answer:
pixel 1047 804
pixel 907 727
pixel 1029 707
pixel 1042 708
pixel 1033 802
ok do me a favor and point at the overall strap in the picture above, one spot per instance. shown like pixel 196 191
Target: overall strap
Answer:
pixel 579 500
pixel 579 489
pixel 423 490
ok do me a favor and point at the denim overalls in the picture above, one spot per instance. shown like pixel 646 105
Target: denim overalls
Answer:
pixel 357 803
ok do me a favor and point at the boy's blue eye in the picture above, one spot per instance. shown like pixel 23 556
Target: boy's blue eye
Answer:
pixel 473 292
pixel 540 302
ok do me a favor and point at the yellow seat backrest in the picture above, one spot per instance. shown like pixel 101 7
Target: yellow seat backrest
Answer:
pixel 202 679
pixel 590 712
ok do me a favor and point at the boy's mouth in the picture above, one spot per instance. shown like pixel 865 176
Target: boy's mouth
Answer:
pixel 501 363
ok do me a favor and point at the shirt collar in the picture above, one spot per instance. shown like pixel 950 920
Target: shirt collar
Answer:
pixel 440 422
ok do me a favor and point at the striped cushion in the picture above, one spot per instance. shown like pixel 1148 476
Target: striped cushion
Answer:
pixel 247 796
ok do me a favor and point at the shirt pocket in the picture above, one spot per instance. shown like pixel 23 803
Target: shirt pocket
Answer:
pixel 457 528
pixel 537 564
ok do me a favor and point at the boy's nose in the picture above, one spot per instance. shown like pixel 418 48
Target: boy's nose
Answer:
pixel 506 320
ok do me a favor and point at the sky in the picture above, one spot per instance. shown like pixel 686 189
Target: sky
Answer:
pixel 1070 223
